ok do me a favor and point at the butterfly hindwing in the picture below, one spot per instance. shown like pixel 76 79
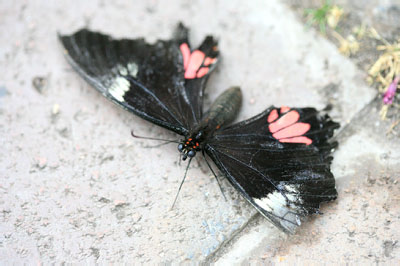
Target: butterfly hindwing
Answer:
pixel 279 161
pixel 146 79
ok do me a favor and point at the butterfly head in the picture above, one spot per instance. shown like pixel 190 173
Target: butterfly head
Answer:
pixel 189 147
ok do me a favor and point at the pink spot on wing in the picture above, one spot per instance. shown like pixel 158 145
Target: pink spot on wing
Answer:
pixel 294 130
pixel 185 50
pixel 195 63
pixel 301 139
pixel 202 71
pixel 273 115
pixel 284 109
pixel 209 61
pixel 286 128
pixel 286 120
pixel 196 58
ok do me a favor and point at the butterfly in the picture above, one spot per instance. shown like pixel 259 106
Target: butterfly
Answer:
pixel 279 160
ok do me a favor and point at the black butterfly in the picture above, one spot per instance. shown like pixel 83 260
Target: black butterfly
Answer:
pixel 278 160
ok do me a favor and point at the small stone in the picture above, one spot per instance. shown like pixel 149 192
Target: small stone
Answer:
pixel 129 232
pixel 56 109
pixel 104 200
pixel 136 217
pixel 351 230
pixel 120 215
pixel 106 157
pixel 388 247
pixel 41 163
pixel 119 203
pixel 63 129
pixel 40 84
pixel 95 252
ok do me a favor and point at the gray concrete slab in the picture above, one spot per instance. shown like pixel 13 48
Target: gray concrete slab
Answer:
pixel 76 187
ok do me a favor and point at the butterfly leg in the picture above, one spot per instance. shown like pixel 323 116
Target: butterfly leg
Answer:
pixel 183 180
pixel 180 159
pixel 216 177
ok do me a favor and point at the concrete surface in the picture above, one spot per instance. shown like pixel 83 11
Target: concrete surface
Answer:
pixel 75 187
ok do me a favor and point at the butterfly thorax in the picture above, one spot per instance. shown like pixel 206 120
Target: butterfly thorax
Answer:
pixel 222 112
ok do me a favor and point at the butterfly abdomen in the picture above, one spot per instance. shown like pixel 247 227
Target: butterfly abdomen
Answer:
pixel 223 111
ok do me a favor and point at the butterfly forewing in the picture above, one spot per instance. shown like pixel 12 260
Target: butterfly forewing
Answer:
pixel 284 175
pixel 146 79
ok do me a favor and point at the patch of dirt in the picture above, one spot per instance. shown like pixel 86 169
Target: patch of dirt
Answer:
pixel 371 13
pixel 381 16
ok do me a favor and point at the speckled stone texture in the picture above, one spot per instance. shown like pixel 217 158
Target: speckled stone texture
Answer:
pixel 76 187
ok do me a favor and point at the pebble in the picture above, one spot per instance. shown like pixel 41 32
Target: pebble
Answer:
pixel 40 84
pixel 55 110
pixel 41 162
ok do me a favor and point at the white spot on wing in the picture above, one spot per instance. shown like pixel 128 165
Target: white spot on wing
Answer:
pixel 118 88
pixel 122 70
pixel 282 206
pixel 133 69
pixel 291 188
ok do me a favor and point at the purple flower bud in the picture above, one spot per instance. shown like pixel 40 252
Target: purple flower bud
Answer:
pixel 391 91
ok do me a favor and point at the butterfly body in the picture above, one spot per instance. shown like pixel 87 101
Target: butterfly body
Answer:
pixel 222 112
pixel 279 160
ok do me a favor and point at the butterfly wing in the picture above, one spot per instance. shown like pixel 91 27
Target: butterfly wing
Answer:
pixel 146 79
pixel 279 161
pixel 197 64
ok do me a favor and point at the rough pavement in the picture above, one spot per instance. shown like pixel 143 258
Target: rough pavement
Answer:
pixel 75 186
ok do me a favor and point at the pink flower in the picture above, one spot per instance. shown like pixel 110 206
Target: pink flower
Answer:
pixel 391 91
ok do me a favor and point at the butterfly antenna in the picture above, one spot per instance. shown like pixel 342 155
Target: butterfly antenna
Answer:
pixel 183 180
pixel 216 177
pixel 142 137
pixel 159 145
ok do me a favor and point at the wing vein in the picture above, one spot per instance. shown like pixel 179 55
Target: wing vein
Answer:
pixel 248 166
pixel 160 103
